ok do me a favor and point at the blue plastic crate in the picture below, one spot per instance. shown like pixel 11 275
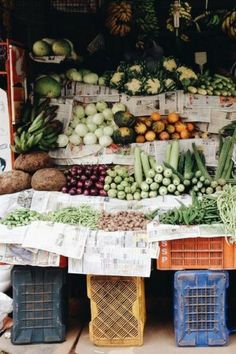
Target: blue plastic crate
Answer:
pixel 40 305
pixel 200 308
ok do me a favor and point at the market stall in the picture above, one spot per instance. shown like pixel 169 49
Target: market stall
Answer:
pixel 119 167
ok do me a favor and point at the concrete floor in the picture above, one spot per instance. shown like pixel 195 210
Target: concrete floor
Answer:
pixel 158 339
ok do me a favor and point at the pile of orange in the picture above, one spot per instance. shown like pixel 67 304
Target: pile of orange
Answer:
pixel 157 127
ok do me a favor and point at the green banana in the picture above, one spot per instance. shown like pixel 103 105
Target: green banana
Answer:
pixel 37 123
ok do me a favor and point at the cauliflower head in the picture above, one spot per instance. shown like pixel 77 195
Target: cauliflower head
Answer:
pixel 152 86
pixel 170 64
pixel 133 86
pixel 117 78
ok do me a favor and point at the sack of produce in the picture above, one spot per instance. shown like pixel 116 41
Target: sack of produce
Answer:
pixel 48 179
pixel 33 162
pixel 14 181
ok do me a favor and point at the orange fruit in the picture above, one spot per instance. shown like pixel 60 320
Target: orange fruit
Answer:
pixel 150 135
pixel 173 117
pixel 184 134
pixel 190 127
pixel 170 128
pixel 179 127
pixel 175 136
pixel 164 136
pixel 140 139
pixel 155 116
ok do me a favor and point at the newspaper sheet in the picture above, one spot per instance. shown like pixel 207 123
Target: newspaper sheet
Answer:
pixel 62 239
pixel 15 254
pixel 117 253
pixel 162 232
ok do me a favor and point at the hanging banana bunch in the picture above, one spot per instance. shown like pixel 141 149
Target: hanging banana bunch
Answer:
pixel 229 24
pixel 119 15
pixel 146 21
pixel 182 10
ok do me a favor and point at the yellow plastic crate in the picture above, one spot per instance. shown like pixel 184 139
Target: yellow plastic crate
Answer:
pixel 118 311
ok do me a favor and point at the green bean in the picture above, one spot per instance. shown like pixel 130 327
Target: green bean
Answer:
pixel 84 215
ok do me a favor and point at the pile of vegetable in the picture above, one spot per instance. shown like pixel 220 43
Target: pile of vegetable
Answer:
pixel 193 172
pixel 58 47
pixel 86 180
pixel 157 127
pixel 122 221
pixel 167 74
pixel 119 184
pixel 92 124
pixel 204 211
pixel 84 215
pixel 85 76
pixel 217 85
pixel 20 217
pixel 39 129
pixel 156 179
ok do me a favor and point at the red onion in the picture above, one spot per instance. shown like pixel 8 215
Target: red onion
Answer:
pixel 64 190
pixel 80 184
pixel 72 191
pixel 79 191
pixel 102 179
pixel 86 192
pixel 93 178
pixel 102 193
pixel 88 184
pixel 103 173
pixel 83 178
pixel 93 191
pixel 73 173
pixel 73 182
pixel 99 185
pixel 80 170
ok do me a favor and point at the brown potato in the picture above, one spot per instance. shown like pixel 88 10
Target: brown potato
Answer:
pixel 48 179
pixel 14 181
pixel 33 161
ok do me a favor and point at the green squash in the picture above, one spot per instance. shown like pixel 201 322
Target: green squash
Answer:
pixel 124 119
pixel 124 136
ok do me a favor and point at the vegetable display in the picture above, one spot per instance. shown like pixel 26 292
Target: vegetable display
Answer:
pixel 84 216
pixel 202 211
pixel 87 180
pixel 20 217
pixel 217 85
pixel 39 129
pixel 119 184
pixel 122 221
pixel 167 74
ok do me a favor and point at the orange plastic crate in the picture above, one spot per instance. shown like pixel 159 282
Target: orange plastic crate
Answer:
pixel 197 253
